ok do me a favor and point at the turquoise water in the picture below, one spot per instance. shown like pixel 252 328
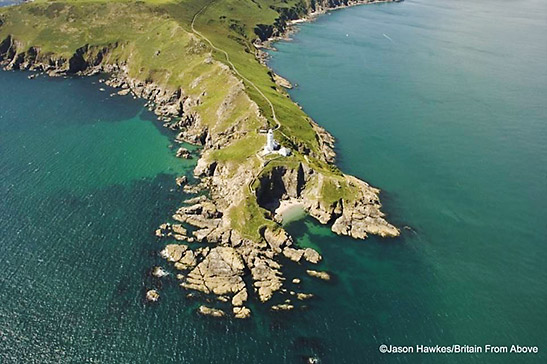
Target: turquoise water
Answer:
pixel 445 113
pixel 442 105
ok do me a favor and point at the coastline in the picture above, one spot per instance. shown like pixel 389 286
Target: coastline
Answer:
pixel 218 269
pixel 292 28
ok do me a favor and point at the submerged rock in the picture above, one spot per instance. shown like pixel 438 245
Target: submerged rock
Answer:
pixel 283 307
pixel 317 274
pixel 303 296
pixel 159 272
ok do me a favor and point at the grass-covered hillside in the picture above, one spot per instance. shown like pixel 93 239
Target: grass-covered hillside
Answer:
pixel 204 48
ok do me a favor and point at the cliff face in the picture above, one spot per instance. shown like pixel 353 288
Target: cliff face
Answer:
pixel 207 103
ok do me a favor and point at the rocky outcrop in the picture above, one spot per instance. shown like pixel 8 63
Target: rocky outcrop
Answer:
pixel 230 254
pixel 356 216
pixel 209 311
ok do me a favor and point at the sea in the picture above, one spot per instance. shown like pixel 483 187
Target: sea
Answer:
pixel 440 104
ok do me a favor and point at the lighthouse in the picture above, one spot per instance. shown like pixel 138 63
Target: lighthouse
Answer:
pixel 270 142
pixel 273 147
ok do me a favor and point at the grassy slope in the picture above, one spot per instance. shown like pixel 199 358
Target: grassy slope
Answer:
pixel 155 40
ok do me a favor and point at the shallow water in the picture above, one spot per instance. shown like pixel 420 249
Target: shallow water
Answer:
pixel 446 114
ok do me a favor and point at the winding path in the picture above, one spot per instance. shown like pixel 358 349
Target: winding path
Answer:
pixel 274 116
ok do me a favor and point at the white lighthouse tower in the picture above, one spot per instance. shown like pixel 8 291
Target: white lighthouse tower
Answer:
pixel 270 142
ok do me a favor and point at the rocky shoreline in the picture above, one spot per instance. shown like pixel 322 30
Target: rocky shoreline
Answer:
pixel 216 257
pixel 288 27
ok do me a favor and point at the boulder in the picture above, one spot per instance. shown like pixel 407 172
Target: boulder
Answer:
pixel 267 278
pixel 183 153
pixel 152 295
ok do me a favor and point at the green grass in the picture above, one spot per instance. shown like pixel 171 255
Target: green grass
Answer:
pixel 154 39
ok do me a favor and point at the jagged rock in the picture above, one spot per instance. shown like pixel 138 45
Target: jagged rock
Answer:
pixel 241 312
pixel 293 254
pixel 204 168
pixel 173 252
pixel 192 189
pixel 282 81
pixel 163 230
pixel 213 312
pixel 152 295
pixel 312 256
pixel 183 153
pixel 181 180
pixel 321 275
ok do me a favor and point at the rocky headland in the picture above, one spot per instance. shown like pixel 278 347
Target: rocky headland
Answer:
pixel 226 241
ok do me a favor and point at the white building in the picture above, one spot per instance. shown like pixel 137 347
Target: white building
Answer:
pixel 273 147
